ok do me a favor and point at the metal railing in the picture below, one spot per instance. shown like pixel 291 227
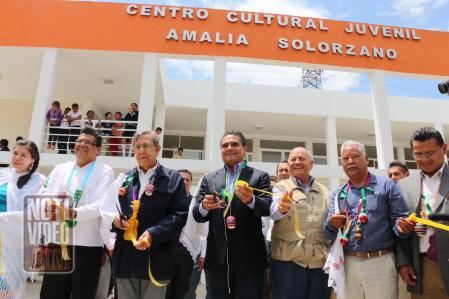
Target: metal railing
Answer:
pixel 117 136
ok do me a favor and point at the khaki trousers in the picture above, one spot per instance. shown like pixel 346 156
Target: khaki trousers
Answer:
pixel 372 278
pixel 433 287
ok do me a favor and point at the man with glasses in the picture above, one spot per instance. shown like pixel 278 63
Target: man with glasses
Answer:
pixel 86 180
pixel 423 258
pixel 236 254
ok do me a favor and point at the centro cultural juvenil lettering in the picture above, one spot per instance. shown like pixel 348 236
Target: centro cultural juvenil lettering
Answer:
pixel 283 21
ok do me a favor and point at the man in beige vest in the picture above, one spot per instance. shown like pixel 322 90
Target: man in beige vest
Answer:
pixel 299 248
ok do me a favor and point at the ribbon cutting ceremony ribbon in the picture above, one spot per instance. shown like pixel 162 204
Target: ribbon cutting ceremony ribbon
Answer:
pixel 63 235
pixel 131 235
pixel 427 222
pixel 295 212
pixel 131 232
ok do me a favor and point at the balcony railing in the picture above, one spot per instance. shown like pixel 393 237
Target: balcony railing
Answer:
pixel 116 138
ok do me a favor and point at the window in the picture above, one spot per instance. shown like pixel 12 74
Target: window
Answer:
pixel 274 157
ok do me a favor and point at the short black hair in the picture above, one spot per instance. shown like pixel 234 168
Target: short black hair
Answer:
pixel 106 114
pixel 158 128
pixel 399 164
pixel 180 148
pixel 92 132
pixel 90 111
pixel 235 133
pixel 75 105
pixel 427 133
pixel 185 171
pixel 277 166
pixel 18 138
pixel 4 142
pixel 56 103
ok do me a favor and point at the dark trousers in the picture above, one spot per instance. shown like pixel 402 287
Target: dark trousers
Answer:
pixel 82 283
pixel 62 140
pixel 291 281
pixel 52 138
pixel 246 284
pixel 74 133
pixel 179 285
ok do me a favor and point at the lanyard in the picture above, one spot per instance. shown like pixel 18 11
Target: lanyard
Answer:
pixel 425 199
pixel 361 215
pixel 79 192
pixel 230 180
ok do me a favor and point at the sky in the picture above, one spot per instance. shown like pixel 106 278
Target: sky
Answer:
pixel 421 14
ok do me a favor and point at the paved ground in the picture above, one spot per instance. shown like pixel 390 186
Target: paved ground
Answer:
pixel 32 290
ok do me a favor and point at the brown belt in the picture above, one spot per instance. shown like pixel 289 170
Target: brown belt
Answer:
pixel 369 254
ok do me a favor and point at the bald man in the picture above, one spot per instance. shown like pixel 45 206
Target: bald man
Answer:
pixel 298 245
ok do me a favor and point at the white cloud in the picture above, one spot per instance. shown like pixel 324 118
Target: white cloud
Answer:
pixel 263 74
pixel 340 81
pixel 414 8
pixel 189 69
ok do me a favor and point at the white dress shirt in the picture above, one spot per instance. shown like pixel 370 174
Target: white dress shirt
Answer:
pixel 430 189
pixel 87 230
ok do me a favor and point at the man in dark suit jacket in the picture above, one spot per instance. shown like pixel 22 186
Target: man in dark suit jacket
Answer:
pixel 424 264
pixel 235 256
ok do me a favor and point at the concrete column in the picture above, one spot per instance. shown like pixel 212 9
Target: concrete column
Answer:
pixel 309 145
pixel 332 147
pixel 439 128
pixel 148 91
pixel 381 116
pixel 401 153
pixel 159 121
pixel 256 150
pixel 43 97
pixel 216 112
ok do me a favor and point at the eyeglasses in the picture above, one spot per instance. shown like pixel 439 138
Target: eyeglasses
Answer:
pixel 419 155
pixel 85 142
pixel 144 146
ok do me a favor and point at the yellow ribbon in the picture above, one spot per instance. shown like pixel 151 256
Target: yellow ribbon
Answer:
pixel 63 235
pixel 295 212
pixel 427 222
pixel 131 235
pixel 131 232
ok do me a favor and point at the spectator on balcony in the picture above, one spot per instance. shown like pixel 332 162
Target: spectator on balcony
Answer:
pixel 158 130
pixel 4 145
pixel 179 153
pixel 54 118
pixel 107 124
pixel 75 120
pixel 18 138
pixel 116 131
pixel 131 119
pixel 90 119
pixel 64 131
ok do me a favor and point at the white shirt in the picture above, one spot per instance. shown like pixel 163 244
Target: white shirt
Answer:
pixel 430 188
pixel 87 230
pixel 144 178
pixel 72 115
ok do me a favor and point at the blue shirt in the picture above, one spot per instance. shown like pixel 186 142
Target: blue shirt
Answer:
pixel 384 205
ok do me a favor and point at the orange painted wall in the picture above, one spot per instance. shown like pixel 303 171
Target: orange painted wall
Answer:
pixel 107 26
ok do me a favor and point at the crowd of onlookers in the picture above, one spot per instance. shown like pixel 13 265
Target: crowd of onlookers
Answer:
pixel 64 128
